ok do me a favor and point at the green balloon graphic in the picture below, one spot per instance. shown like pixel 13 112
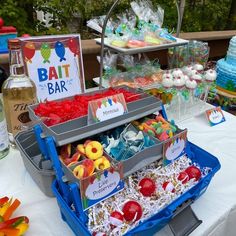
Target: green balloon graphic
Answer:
pixel 45 51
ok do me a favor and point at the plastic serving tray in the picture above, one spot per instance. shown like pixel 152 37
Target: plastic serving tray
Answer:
pixel 178 42
pixel 105 84
pixel 39 169
pixel 161 218
pixel 77 129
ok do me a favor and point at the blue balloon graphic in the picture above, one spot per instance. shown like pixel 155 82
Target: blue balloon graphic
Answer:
pixel 110 101
pixel 60 51
pixel 105 173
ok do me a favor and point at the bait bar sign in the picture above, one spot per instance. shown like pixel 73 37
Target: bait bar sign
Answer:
pixel 55 65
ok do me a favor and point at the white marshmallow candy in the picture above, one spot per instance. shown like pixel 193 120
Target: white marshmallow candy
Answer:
pixel 198 67
pixel 167 82
pixel 167 75
pixel 210 75
pixel 192 72
pixel 179 82
pixel 187 69
pixel 186 78
pixel 197 77
pixel 191 84
pixel 177 73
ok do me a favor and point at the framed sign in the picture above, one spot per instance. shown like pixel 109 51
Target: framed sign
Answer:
pixel 106 108
pixel 174 148
pixel 55 65
pixel 100 186
pixel 215 116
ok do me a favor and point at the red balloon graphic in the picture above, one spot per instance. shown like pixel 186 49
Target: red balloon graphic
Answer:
pixel 73 46
pixel 29 51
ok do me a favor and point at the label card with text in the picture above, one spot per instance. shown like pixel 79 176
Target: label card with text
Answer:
pixel 106 108
pixel 174 147
pixel 55 65
pixel 215 116
pixel 100 186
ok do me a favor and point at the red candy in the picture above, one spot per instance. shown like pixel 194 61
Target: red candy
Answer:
pixel 116 218
pixel 193 173
pixel 147 187
pixel 56 112
pixel 132 211
pixel 183 177
pixel 168 186
pixel 136 44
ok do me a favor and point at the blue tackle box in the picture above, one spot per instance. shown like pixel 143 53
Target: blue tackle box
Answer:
pixel 77 222
pixel 67 191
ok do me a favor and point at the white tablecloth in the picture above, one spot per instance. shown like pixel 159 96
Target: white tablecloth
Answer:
pixel 217 206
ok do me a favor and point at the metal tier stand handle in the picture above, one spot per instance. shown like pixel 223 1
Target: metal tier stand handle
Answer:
pixel 180 10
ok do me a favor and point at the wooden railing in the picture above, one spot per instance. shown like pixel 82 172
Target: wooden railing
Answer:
pixel 217 40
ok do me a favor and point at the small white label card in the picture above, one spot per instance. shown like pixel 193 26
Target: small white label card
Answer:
pixel 106 108
pixel 101 185
pixel 174 148
pixel 215 116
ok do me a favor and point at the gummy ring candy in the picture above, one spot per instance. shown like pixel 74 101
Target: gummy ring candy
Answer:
pixel 94 150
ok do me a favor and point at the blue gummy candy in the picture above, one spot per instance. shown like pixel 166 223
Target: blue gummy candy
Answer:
pixel 118 151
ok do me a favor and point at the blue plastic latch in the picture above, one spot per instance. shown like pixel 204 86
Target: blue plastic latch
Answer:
pixel 41 142
pixel 77 202
pixel 163 112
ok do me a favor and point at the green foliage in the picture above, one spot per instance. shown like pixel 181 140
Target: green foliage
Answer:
pixel 200 15
pixel 208 16
pixel 18 14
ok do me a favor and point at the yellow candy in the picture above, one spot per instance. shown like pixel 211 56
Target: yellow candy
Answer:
pixel 152 40
pixel 140 127
pixel 119 43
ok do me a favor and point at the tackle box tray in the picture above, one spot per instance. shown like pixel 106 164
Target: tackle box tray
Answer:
pixel 134 163
pixel 161 218
pixel 76 129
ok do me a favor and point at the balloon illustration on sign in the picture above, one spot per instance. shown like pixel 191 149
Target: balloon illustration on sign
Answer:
pixel 175 149
pixel 215 117
pixel 60 51
pixel 45 51
pixel 73 46
pixel 109 101
pixel 29 51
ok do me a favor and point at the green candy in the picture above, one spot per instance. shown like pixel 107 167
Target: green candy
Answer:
pixel 159 130
pixel 156 126
pixel 173 128
pixel 151 133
